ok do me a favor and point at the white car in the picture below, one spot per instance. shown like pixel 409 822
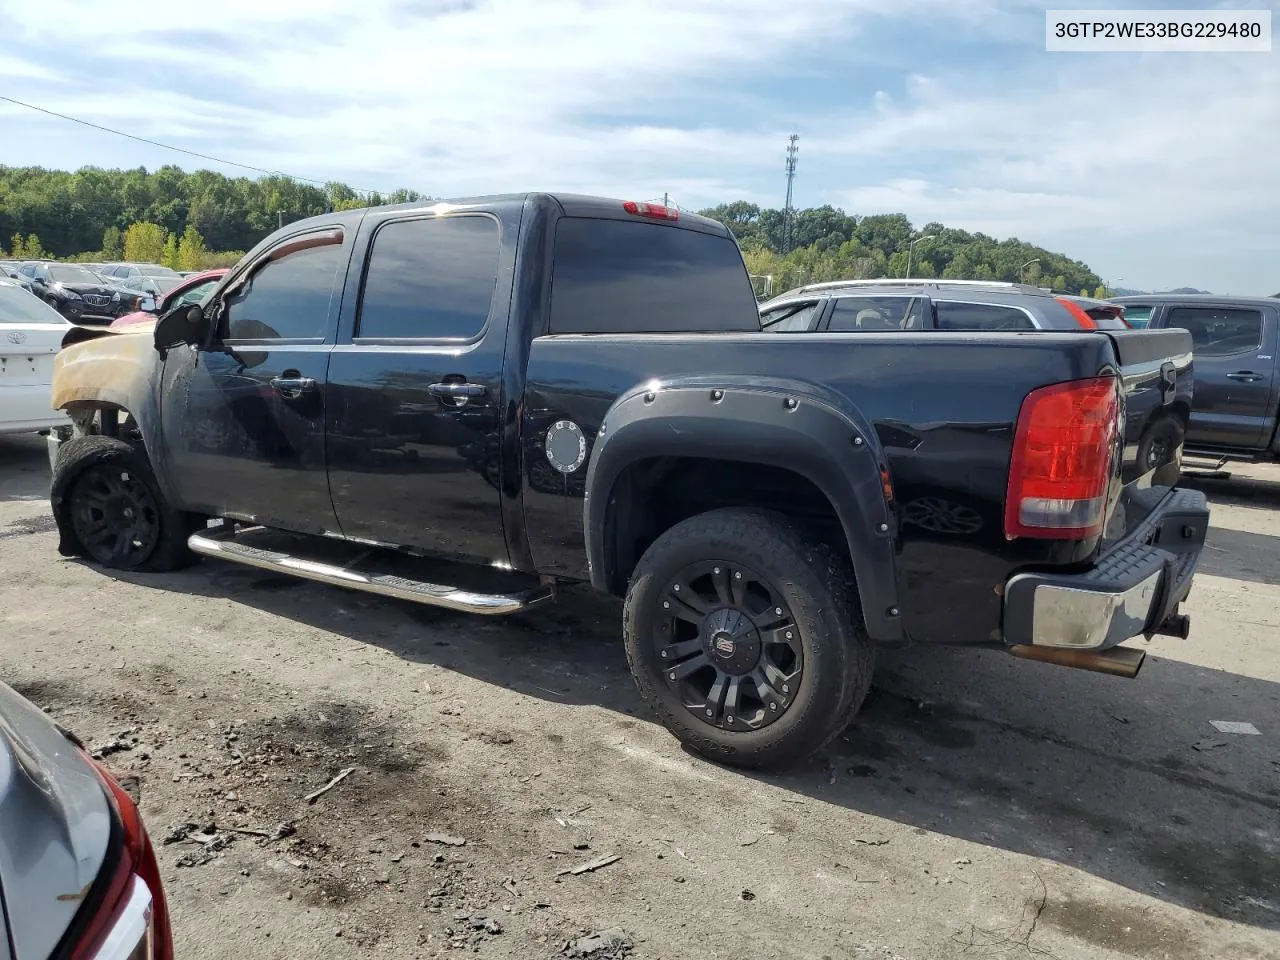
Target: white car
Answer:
pixel 31 334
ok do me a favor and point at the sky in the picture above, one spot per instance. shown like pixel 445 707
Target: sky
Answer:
pixel 1158 169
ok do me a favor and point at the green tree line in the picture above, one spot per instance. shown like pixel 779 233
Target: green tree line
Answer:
pixel 89 214
pixel 829 244
pixel 83 213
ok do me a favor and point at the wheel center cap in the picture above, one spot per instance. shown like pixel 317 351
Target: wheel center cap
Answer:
pixel 731 641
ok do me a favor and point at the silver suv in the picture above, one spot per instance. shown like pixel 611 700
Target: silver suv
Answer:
pixel 853 306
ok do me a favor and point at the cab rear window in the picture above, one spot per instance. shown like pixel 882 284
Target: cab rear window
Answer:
pixel 616 276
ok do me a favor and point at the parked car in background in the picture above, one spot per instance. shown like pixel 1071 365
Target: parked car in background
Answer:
pixel 1155 416
pixel 1107 314
pixel 11 270
pixel 153 287
pixel 550 388
pixel 193 289
pixel 78 874
pixel 31 333
pixel 1236 340
pixel 851 306
pixel 77 292
pixel 125 271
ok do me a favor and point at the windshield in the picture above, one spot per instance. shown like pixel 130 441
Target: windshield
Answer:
pixel 165 284
pixel 72 273
pixel 18 306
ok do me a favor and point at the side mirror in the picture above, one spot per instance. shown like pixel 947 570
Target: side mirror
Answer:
pixel 186 324
pixel 147 305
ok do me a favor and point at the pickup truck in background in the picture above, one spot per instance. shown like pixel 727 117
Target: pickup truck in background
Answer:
pixel 1235 413
pixel 469 403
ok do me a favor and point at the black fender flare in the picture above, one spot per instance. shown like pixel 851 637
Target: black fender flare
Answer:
pixel 798 425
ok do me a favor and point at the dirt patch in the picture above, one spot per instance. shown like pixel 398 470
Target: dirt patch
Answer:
pixel 28 526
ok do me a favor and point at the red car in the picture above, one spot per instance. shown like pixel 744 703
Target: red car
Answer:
pixel 192 290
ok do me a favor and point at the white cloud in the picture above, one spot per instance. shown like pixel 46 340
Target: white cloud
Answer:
pixel 1149 166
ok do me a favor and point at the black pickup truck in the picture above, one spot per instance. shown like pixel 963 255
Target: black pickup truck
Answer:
pixel 1236 410
pixel 548 389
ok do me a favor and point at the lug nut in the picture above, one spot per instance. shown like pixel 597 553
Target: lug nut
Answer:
pixel 884 528
pixel 664 654
pixel 789 635
pixel 671 676
pixel 790 403
pixel 777 611
pixel 786 688
pixel 648 398
pixel 717 395
pixel 676 588
pixel 773 706
pixel 730 719
pixel 857 441
pixel 737 576
pixel 708 713
pixel 717 570
pixel 666 604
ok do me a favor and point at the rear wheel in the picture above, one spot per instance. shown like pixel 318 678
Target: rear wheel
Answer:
pixel 746 638
pixel 1160 447
pixel 110 509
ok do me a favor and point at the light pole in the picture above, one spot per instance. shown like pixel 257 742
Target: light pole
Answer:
pixel 911 249
pixel 1106 293
pixel 1024 266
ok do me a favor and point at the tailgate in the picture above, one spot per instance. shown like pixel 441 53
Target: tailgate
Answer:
pixel 1157 374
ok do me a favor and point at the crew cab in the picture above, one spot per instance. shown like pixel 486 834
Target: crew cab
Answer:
pixel 546 389
pixel 1235 413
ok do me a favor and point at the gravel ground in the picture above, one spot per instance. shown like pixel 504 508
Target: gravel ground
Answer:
pixel 980 807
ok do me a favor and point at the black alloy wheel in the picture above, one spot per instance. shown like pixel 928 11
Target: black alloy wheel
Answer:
pixel 729 647
pixel 744 633
pixel 114 515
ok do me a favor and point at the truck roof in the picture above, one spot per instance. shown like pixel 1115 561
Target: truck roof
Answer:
pixel 1192 299
pixel 570 204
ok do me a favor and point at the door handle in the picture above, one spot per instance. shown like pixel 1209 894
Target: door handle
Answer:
pixel 1244 376
pixel 291 386
pixel 456 394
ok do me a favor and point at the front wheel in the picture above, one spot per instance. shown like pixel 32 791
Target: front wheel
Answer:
pixel 746 638
pixel 110 509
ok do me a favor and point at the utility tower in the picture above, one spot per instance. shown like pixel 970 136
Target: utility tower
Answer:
pixel 788 214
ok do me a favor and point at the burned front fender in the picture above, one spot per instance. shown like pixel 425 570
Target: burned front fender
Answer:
pixel 111 368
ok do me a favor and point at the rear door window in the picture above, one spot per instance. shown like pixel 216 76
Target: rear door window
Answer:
pixel 619 276
pixel 1219 331
pixel 430 279
pixel 956 315
pixel 1138 314
pixel 876 314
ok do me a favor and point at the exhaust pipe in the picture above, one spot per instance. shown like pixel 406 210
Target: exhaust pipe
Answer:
pixel 1118 661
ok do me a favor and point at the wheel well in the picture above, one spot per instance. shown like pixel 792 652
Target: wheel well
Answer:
pixel 650 496
pixel 104 418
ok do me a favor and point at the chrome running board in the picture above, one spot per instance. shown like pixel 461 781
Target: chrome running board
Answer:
pixel 222 544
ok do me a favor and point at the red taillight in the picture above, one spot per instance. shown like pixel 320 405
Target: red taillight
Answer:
pixel 654 211
pixel 1082 318
pixel 137 863
pixel 1062 456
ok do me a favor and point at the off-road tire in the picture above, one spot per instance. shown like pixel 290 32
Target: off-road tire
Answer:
pixel 819 590
pixel 80 455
